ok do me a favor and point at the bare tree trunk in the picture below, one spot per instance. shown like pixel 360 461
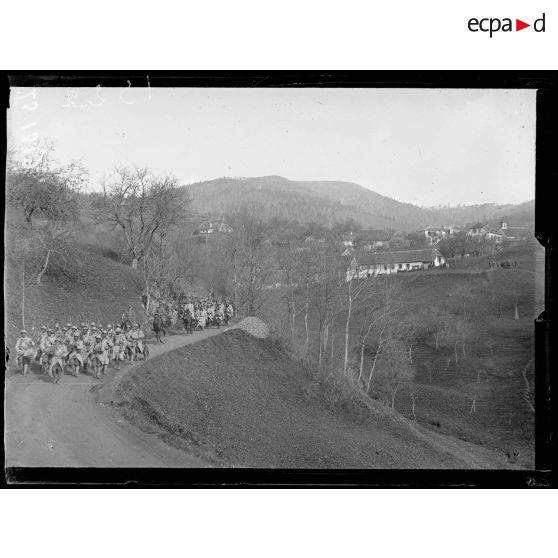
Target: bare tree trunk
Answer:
pixel 44 268
pixel 411 353
pixel 516 315
pixel 413 408
pixel 346 357
pixel 23 298
pixel 372 370
pixel 290 297
pixel 306 316
pixel 134 263
pixel 361 368
pixel 393 394
pixel 331 357
pixel 474 403
pixel 455 351
pixel 473 406
pixel 235 285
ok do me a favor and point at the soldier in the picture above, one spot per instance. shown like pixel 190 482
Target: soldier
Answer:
pixel 98 350
pixel 63 334
pixel 47 349
pixel 69 335
pixel 76 352
pixel 58 358
pixel 25 351
pixel 190 306
pixel 129 316
pixel 136 339
pixel 42 336
pixel 107 346
pixel 229 310
pixel 88 342
pixel 203 318
pixel 119 346
pixel 218 316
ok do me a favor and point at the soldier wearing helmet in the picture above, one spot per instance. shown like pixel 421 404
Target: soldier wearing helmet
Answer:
pixel 25 351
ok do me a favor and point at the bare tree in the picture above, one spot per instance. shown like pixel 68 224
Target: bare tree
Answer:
pixel 42 187
pixel 329 282
pixel 437 320
pixel 141 205
pixel 476 394
pixel 394 368
pixel 250 258
pixel 48 194
pixel 376 312
pixel 355 289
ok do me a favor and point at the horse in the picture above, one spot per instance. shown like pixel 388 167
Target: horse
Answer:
pixel 217 320
pixel 201 323
pixel 132 351
pixel 228 317
pixel 126 324
pixel 188 321
pixel 159 325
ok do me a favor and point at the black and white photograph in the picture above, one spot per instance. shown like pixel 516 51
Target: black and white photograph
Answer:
pixel 293 278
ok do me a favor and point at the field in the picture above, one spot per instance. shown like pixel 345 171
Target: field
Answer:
pixel 499 351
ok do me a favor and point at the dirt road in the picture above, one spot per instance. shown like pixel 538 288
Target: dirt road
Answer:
pixel 62 425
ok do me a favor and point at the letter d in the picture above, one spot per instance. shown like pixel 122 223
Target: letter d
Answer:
pixel 535 25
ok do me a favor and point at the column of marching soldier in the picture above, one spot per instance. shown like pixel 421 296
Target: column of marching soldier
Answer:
pixel 80 347
pixel 92 346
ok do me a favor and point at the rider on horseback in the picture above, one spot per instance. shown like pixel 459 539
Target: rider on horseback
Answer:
pixel 128 317
pixel 229 310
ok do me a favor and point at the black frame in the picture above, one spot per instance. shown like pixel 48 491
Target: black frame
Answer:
pixel 546 84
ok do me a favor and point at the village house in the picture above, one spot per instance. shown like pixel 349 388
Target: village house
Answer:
pixel 477 230
pixel 385 263
pixel 210 227
pixel 434 234
pixel 494 235
pixel 372 239
pixel 348 240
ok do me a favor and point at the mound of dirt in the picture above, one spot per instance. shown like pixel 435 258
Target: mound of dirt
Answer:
pixel 254 326
pixel 235 400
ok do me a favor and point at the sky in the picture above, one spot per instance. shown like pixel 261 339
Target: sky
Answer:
pixel 423 146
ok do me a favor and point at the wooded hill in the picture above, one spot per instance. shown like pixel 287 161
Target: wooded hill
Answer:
pixel 329 202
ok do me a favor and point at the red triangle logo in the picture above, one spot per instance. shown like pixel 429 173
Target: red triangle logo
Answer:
pixel 519 25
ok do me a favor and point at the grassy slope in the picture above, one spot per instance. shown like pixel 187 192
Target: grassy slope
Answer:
pixel 239 401
pixel 102 290
pixel 503 419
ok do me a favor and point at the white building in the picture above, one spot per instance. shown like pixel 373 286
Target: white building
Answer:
pixel 385 263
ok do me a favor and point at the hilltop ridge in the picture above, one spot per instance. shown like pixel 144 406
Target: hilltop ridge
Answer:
pixel 330 201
